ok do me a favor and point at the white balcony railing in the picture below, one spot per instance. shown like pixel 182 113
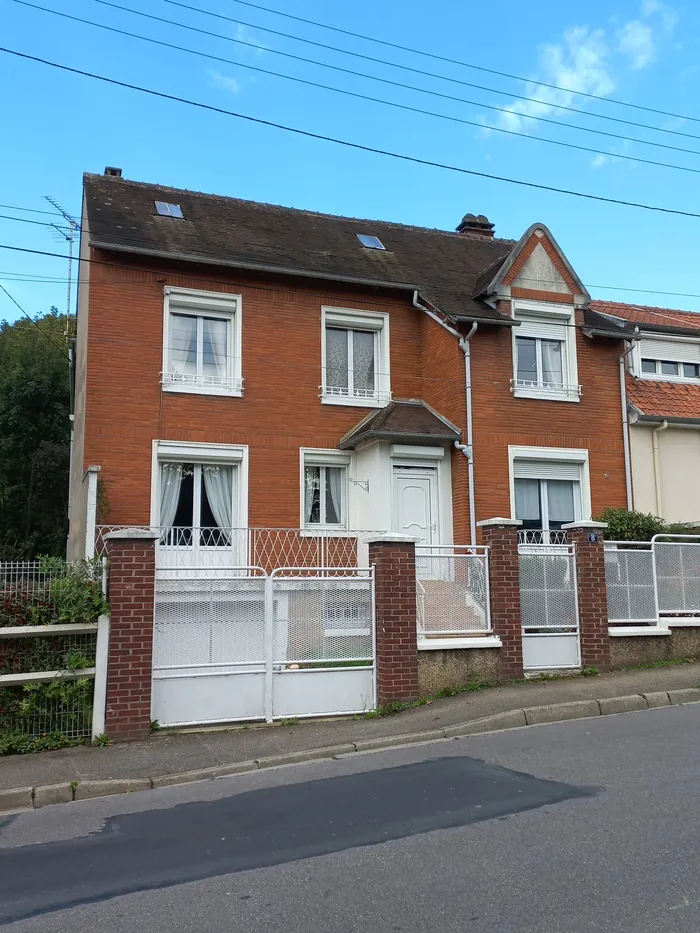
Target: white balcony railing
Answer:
pixel 380 396
pixel 538 387
pixel 194 381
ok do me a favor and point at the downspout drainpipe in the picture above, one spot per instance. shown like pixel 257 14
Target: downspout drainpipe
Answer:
pixel 657 469
pixel 468 448
pixel 465 345
pixel 625 427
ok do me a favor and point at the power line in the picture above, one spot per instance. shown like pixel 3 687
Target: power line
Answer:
pixel 348 144
pixel 27 210
pixel 389 103
pixel 27 220
pixel 31 319
pixel 422 53
pixel 319 293
pixel 420 71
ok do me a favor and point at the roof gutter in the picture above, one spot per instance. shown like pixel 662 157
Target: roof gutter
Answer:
pixel 250 266
pixel 352 442
pixel 670 419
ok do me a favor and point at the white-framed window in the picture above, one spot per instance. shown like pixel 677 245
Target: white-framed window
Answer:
pixel 202 334
pixel 544 354
pixel 355 357
pixel 199 493
pixel 667 359
pixel 324 489
pixel 549 488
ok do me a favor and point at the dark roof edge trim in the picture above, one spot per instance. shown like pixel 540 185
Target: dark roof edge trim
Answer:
pixel 672 419
pixel 387 435
pixel 613 334
pixel 670 329
pixel 502 321
pixel 252 266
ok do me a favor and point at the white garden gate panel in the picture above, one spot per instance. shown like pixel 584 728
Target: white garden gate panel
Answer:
pixel 258 646
pixel 549 607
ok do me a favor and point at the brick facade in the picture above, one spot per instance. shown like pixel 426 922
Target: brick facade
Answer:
pixel 131 595
pixel 501 537
pixel 592 596
pixel 394 565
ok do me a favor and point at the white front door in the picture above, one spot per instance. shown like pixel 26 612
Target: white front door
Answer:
pixel 415 505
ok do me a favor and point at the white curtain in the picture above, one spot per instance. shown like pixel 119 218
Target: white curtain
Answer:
pixel 183 344
pixel 214 347
pixel 552 357
pixel 334 486
pixel 312 477
pixel 170 482
pixel 560 498
pixel 527 500
pixel 218 483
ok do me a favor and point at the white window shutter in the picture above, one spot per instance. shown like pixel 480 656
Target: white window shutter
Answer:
pixel 676 350
pixel 547 469
pixel 537 327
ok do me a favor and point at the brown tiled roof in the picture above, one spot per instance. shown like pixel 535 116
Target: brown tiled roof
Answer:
pixel 444 266
pixel 664 320
pixel 675 401
pixel 409 419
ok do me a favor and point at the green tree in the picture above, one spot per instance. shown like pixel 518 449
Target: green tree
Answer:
pixel 34 436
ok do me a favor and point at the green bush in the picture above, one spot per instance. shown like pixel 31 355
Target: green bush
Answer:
pixel 626 525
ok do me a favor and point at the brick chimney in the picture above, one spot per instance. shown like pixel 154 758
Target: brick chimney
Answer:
pixel 471 223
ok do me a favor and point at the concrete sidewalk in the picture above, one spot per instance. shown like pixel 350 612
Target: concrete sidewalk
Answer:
pixel 169 753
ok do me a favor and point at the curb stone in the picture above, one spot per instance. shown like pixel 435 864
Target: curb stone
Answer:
pixel 26 798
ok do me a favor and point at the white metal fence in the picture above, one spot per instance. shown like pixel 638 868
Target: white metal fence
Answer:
pixel 452 583
pixel 651 582
pixel 256 645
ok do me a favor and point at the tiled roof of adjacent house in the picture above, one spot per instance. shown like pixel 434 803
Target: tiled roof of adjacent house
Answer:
pixel 664 320
pixel 676 401
pixel 402 419
pixel 444 266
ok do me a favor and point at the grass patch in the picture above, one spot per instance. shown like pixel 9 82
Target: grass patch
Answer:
pixel 392 708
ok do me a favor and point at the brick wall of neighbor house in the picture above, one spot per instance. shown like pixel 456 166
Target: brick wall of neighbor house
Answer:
pixel 279 412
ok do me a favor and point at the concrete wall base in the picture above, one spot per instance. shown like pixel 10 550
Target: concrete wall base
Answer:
pixel 456 667
pixel 628 652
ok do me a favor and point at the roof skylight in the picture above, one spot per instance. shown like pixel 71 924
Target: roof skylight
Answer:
pixel 168 210
pixel 371 242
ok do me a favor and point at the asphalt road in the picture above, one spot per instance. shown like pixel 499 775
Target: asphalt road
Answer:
pixel 591 825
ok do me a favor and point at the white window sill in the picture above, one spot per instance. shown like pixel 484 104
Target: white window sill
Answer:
pixel 681 621
pixel 547 395
pixel 170 383
pixel 355 401
pixel 658 377
pixel 628 631
pixel 446 644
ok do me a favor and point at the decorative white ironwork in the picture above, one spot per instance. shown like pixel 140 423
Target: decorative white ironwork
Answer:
pixel 555 389
pixel 202 381
pixel 381 396
pixel 452 591
pixel 629 578
pixel 542 536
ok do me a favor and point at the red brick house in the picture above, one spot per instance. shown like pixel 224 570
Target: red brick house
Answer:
pixel 246 365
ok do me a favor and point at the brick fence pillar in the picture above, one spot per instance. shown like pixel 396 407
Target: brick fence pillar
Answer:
pixel 131 594
pixel 500 535
pixel 394 560
pixel 587 537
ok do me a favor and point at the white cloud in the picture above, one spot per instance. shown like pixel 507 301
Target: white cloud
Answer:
pixel 598 161
pixel 223 82
pixel 243 34
pixel 636 41
pixel 579 63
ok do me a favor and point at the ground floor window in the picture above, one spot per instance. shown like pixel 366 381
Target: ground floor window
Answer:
pixel 548 494
pixel 196 502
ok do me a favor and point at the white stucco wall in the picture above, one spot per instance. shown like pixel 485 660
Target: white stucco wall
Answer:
pixel 679 469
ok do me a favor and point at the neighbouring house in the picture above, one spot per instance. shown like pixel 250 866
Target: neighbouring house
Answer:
pixel 246 365
pixel 663 394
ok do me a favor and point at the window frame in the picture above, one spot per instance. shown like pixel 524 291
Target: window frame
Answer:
pixel 578 455
pixel 204 304
pixel 376 322
pixel 318 457
pixel 663 357
pixel 533 312
pixel 234 455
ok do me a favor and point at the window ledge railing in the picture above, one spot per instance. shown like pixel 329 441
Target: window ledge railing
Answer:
pixel 546 389
pixel 537 536
pixel 193 382
pixel 378 396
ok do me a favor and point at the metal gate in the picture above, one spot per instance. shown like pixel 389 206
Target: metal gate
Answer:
pixel 549 607
pixel 251 645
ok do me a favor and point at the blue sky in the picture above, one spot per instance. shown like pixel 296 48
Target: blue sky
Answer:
pixel 57 125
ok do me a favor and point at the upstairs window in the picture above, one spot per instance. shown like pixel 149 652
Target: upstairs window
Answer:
pixel 355 352
pixel 202 346
pixel 544 351
pixel 668 360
